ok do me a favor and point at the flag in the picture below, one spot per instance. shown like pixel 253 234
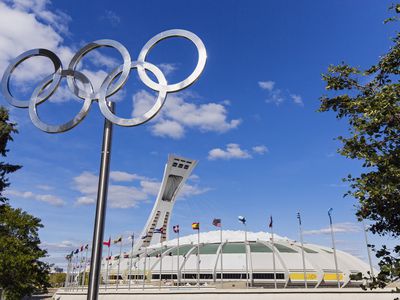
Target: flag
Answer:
pixel 118 240
pixel 196 226
pixel 116 257
pixel 271 222
pixel 72 254
pixel 299 217
pixel 81 248
pixel 108 244
pixel 145 236
pixel 175 228
pixel 126 255
pixel 330 215
pixel 159 230
pixel 242 219
pixel 76 251
pixel 87 246
pixel 217 222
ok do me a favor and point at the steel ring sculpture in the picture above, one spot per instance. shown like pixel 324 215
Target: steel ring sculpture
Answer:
pixel 111 84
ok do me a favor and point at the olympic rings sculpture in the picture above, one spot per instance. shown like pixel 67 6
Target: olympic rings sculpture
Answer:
pixel 109 87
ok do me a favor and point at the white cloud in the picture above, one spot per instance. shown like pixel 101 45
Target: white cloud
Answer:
pixel 266 85
pixel 178 114
pixel 112 17
pixel 297 99
pixel 47 198
pixel 123 196
pixel 61 246
pixel 346 227
pixel 232 151
pixel 28 24
pixel 261 149
pixel 167 68
pixel 276 95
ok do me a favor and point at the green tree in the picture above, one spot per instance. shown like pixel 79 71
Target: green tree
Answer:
pixel 57 279
pixel 21 271
pixel 369 100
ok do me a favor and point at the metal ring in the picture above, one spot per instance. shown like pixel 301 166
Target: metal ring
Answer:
pixel 162 94
pixel 94 45
pixel 70 124
pixel 191 78
pixel 5 82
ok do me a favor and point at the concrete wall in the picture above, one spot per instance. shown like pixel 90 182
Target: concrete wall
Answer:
pixel 243 294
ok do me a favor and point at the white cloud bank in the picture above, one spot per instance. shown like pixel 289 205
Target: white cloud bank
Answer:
pixel 178 114
pixel 345 227
pixel 46 198
pixel 277 96
pixel 233 151
pixel 140 189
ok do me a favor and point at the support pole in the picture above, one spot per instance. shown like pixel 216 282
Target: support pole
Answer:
pixel 84 269
pixel 273 256
pixel 119 262
pixel 247 260
pixel 108 263
pixel 178 269
pixel 67 276
pixel 101 205
pixel 161 250
pixel 198 258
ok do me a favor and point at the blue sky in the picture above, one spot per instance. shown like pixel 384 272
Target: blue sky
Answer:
pixel 250 119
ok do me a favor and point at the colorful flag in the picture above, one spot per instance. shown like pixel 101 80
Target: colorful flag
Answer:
pixel 108 244
pixel 196 226
pixel 126 255
pixel 116 257
pixel 72 253
pixel 145 236
pixel 270 222
pixel 242 219
pixel 118 240
pixel 159 230
pixel 81 248
pixel 217 222
pixel 87 246
pixel 299 218
pixel 175 228
pixel 76 251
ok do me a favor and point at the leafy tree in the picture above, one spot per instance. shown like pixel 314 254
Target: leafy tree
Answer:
pixel 57 279
pixel 369 100
pixel 6 129
pixel 21 271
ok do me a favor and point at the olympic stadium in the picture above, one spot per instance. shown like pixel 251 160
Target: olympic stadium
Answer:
pixel 223 263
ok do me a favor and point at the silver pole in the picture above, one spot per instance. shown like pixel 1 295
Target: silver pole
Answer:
pixel 79 280
pixel 67 276
pixel 273 255
pixel 119 263
pixel 178 270
pixel 247 263
pixel 334 248
pixel 368 248
pixel 130 264
pixel 222 246
pixel 198 257
pixel 302 250
pixel 101 205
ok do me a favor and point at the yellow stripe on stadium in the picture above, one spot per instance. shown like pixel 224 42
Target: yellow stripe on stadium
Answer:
pixel 300 276
pixel 332 276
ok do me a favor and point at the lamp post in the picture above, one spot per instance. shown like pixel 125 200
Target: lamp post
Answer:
pixel 334 247
pixel 111 85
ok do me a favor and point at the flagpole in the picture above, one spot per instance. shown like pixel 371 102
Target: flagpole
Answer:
pixel 84 268
pixel 144 267
pixel 368 248
pixel 130 264
pixel 247 261
pixel 159 284
pixel 178 269
pixel 198 257
pixel 302 250
pixel 119 262
pixel 273 252
pixel 67 275
pixel 222 272
pixel 107 262
pixel 334 247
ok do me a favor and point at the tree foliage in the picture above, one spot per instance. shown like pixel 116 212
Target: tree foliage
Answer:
pixel 21 271
pixel 369 100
